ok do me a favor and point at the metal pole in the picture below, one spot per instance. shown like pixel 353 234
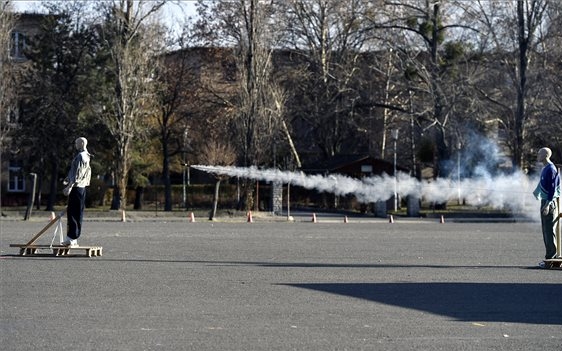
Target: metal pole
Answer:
pixel 184 197
pixel 395 137
pixel 256 204
pixel 395 181
pixel 559 231
pixel 31 196
pixel 238 190
pixel 459 172
pixel 412 134
pixel 288 201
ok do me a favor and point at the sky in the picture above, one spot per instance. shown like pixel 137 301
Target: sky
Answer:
pixel 173 13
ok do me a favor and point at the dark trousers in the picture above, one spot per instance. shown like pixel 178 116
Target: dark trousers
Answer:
pixel 75 212
pixel 548 222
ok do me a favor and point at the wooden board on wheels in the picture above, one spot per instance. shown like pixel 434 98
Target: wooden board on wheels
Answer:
pixel 59 250
pixel 554 263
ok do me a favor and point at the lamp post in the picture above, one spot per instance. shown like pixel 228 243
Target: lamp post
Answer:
pixel 459 171
pixel 394 134
pixel 184 197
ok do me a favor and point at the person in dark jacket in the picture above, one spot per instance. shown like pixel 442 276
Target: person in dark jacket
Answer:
pixel 547 191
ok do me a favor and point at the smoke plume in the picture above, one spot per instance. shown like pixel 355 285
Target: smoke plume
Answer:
pixel 502 191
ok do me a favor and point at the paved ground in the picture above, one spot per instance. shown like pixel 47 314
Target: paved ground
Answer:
pixel 175 285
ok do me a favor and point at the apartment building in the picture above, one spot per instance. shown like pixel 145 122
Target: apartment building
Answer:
pixel 13 181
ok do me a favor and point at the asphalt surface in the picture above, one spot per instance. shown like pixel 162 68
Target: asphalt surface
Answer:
pixel 175 285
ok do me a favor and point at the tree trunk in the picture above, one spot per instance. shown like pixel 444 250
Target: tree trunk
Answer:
pixel 521 89
pixel 166 176
pixel 139 197
pixel 116 200
pixel 122 172
pixel 39 191
pixel 442 152
pixel 215 200
pixel 53 185
pixel 246 201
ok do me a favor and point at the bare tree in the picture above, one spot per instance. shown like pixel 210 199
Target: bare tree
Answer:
pixel 514 34
pixel 133 43
pixel 54 89
pixel 432 56
pixel 327 37
pixel 255 122
pixel 545 128
pixel 259 111
pixel 7 83
pixel 174 97
pixel 243 25
pixel 279 97
pixel 219 153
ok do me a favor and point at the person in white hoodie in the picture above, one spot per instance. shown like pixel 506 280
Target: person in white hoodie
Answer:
pixel 76 182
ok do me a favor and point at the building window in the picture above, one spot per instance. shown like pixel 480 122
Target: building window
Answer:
pixel 19 43
pixel 17 180
pixel 366 168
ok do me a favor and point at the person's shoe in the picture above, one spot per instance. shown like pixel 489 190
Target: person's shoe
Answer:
pixel 70 242
pixel 542 264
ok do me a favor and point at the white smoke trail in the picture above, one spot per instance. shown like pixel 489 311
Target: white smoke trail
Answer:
pixel 513 192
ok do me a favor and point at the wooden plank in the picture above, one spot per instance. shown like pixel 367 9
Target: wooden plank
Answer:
pixel 36 246
pixel 59 250
pixel 50 224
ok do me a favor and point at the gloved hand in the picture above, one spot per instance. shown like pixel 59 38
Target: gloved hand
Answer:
pixel 547 208
pixel 67 189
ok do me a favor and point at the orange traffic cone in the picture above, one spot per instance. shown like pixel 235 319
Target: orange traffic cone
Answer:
pixel 442 220
pixel 250 219
pixel 314 218
pixel 345 220
pixel 192 217
pixel 390 219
